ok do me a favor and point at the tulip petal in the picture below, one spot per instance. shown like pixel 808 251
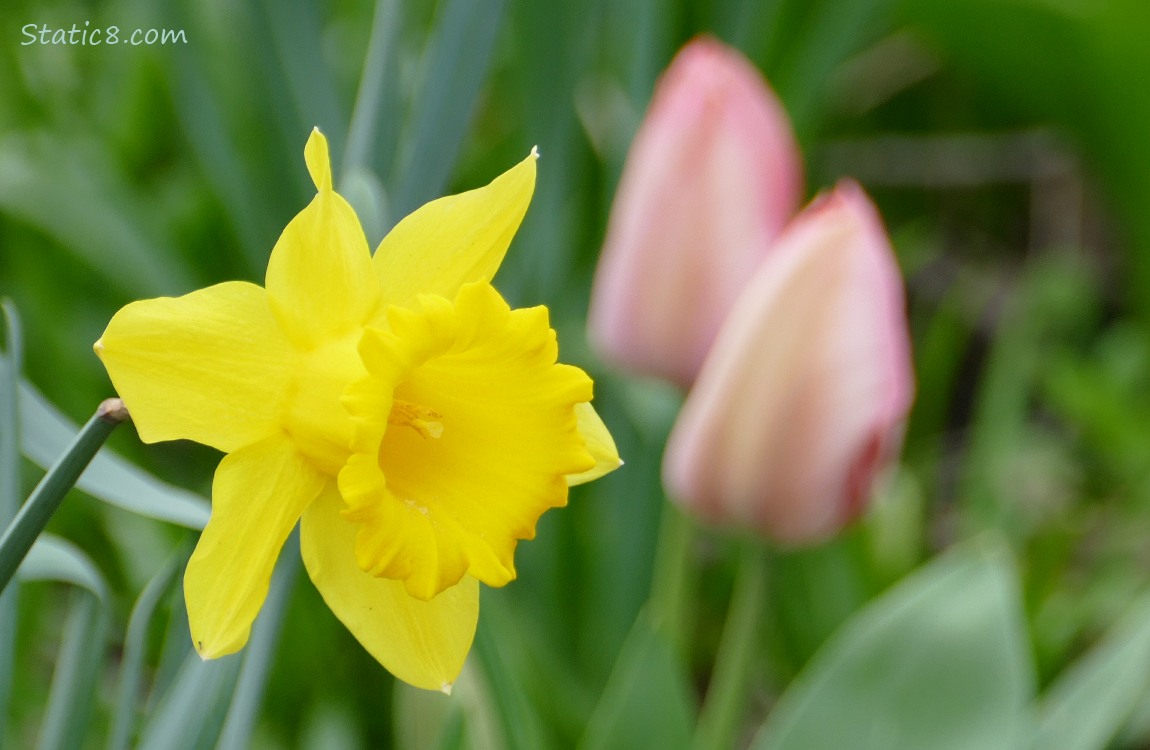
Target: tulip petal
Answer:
pixel 319 276
pixel 423 643
pixel 599 444
pixel 259 493
pixel 712 176
pixel 210 366
pixel 454 240
pixel 803 396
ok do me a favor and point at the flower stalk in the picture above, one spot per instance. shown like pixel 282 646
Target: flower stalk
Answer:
pixel 726 699
pixel 45 500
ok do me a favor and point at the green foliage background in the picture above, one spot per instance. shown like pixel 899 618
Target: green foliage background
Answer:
pixel 1005 141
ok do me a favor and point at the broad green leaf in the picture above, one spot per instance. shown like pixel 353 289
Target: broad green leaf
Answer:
pixel 647 701
pixel 109 478
pixel 54 559
pixel 941 661
pixel 1088 704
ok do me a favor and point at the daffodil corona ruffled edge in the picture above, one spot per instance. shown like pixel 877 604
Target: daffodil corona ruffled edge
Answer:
pixel 394 402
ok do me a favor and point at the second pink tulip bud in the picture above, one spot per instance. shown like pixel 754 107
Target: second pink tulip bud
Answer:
pixel 803 397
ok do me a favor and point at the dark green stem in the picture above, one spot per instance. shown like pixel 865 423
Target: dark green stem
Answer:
pixel 46 498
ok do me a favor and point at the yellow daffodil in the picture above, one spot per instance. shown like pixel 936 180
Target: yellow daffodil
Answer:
pixel 393 404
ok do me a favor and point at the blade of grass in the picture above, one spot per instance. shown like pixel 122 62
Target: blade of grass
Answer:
pixel 82 647
pixel 74 680
pixel 10 368
pixel 358 182
pixel 260 652
pixel 293 27
pixel 124 718
pixel 109 477
pixel 517 721
pixel 50 493
pixel 455 65
pixel 190 713
pixel 365 131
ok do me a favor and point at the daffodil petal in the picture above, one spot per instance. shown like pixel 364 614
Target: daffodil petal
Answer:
pixel 599 444
pixel 423 643
pixel 319 278
pixel 318 162
pixel 211 366
pixel 454 240
pixel 259 493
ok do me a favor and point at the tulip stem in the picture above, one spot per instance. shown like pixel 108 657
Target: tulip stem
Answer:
pixel 671 580
pixel 726 697
pixel 50 493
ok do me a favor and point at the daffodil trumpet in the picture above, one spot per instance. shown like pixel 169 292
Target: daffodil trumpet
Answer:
pixel 392 404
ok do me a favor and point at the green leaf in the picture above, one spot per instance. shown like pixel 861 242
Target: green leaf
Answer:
pixel 941 661
pixel 73 689
pixel 455 65
pixel 243 712
pixel 311 89
pixel 501 683
pixel 10 367
pixel 647 701
pixel 124 719
pixel 371 120
pixel 191 712
pixel 82 646
pixel 109 478
pixel 1088 704
pixel 54 559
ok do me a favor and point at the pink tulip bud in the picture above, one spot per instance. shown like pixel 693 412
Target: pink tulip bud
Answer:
pixel 803 397
pixel 712 176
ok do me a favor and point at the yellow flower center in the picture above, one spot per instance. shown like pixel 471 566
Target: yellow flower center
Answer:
pixel 419 418
pixel 465 432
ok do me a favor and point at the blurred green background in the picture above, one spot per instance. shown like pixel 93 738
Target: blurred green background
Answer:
pixel 1007 143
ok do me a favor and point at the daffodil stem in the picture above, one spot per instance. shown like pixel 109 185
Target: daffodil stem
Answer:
pixel 726 699
pixel 46 498
pixel 671 584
